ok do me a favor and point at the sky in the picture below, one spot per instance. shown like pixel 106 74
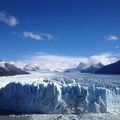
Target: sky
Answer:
pixel 59 28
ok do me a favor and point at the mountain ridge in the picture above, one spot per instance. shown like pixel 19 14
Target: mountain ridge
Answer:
pixel 113 68
pixel 85 68
pixel 8 69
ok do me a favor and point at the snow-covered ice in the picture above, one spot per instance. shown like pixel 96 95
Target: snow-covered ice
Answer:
pixel 60 93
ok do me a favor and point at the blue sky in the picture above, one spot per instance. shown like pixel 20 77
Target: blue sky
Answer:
pixel 59 27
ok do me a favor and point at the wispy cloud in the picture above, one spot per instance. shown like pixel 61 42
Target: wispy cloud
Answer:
pixel 49 37
pixel 56 62
pixel 111 37
pixel 8 19
pixel 117 47
pixel 38 36
pixel 32 35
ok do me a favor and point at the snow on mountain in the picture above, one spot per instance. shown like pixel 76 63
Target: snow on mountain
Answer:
pixel 7 69
pixel 35 68
pixel 59 93
pixel 80 67
pixel 85 68
pixel 30 67
pixel 92 68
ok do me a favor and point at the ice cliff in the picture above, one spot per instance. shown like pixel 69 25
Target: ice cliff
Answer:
pixel 51 95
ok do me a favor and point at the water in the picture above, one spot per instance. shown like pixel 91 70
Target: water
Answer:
pixel 104 116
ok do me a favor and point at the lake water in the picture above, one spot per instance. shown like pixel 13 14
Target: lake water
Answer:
pixel 106 116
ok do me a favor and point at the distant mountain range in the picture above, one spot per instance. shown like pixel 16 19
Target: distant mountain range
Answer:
pixel 80 67
pixel 12 68
pixel 98 68
pixel 35 68
pixel 8 69
pixel 92 68
pixel 84 68
pixel 113 68
pixel 31 67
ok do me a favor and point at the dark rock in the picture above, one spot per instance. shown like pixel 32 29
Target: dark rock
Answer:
pixel 9 70
pixel 113 68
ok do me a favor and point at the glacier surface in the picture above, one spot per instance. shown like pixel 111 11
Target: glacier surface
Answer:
pixel 60 93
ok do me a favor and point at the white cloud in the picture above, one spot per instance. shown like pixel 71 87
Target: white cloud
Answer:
pixel 111 37
pixel 56 62
pixel 32 35
pixel 38 36
pixel 105 58
pixel 8 19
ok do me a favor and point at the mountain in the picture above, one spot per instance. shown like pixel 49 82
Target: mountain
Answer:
pixel 84 68
pixel 113 68
pixel 92 68
pixel 80 67
pixel 31 67
pixel 35 68
pixel 8 69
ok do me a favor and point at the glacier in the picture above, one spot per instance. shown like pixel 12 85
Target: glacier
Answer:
pixel 60 93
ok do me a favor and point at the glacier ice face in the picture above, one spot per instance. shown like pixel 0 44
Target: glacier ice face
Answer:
pixel 56 94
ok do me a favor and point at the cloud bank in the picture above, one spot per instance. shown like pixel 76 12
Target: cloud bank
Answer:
pixel 56 62
pixel 8 19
